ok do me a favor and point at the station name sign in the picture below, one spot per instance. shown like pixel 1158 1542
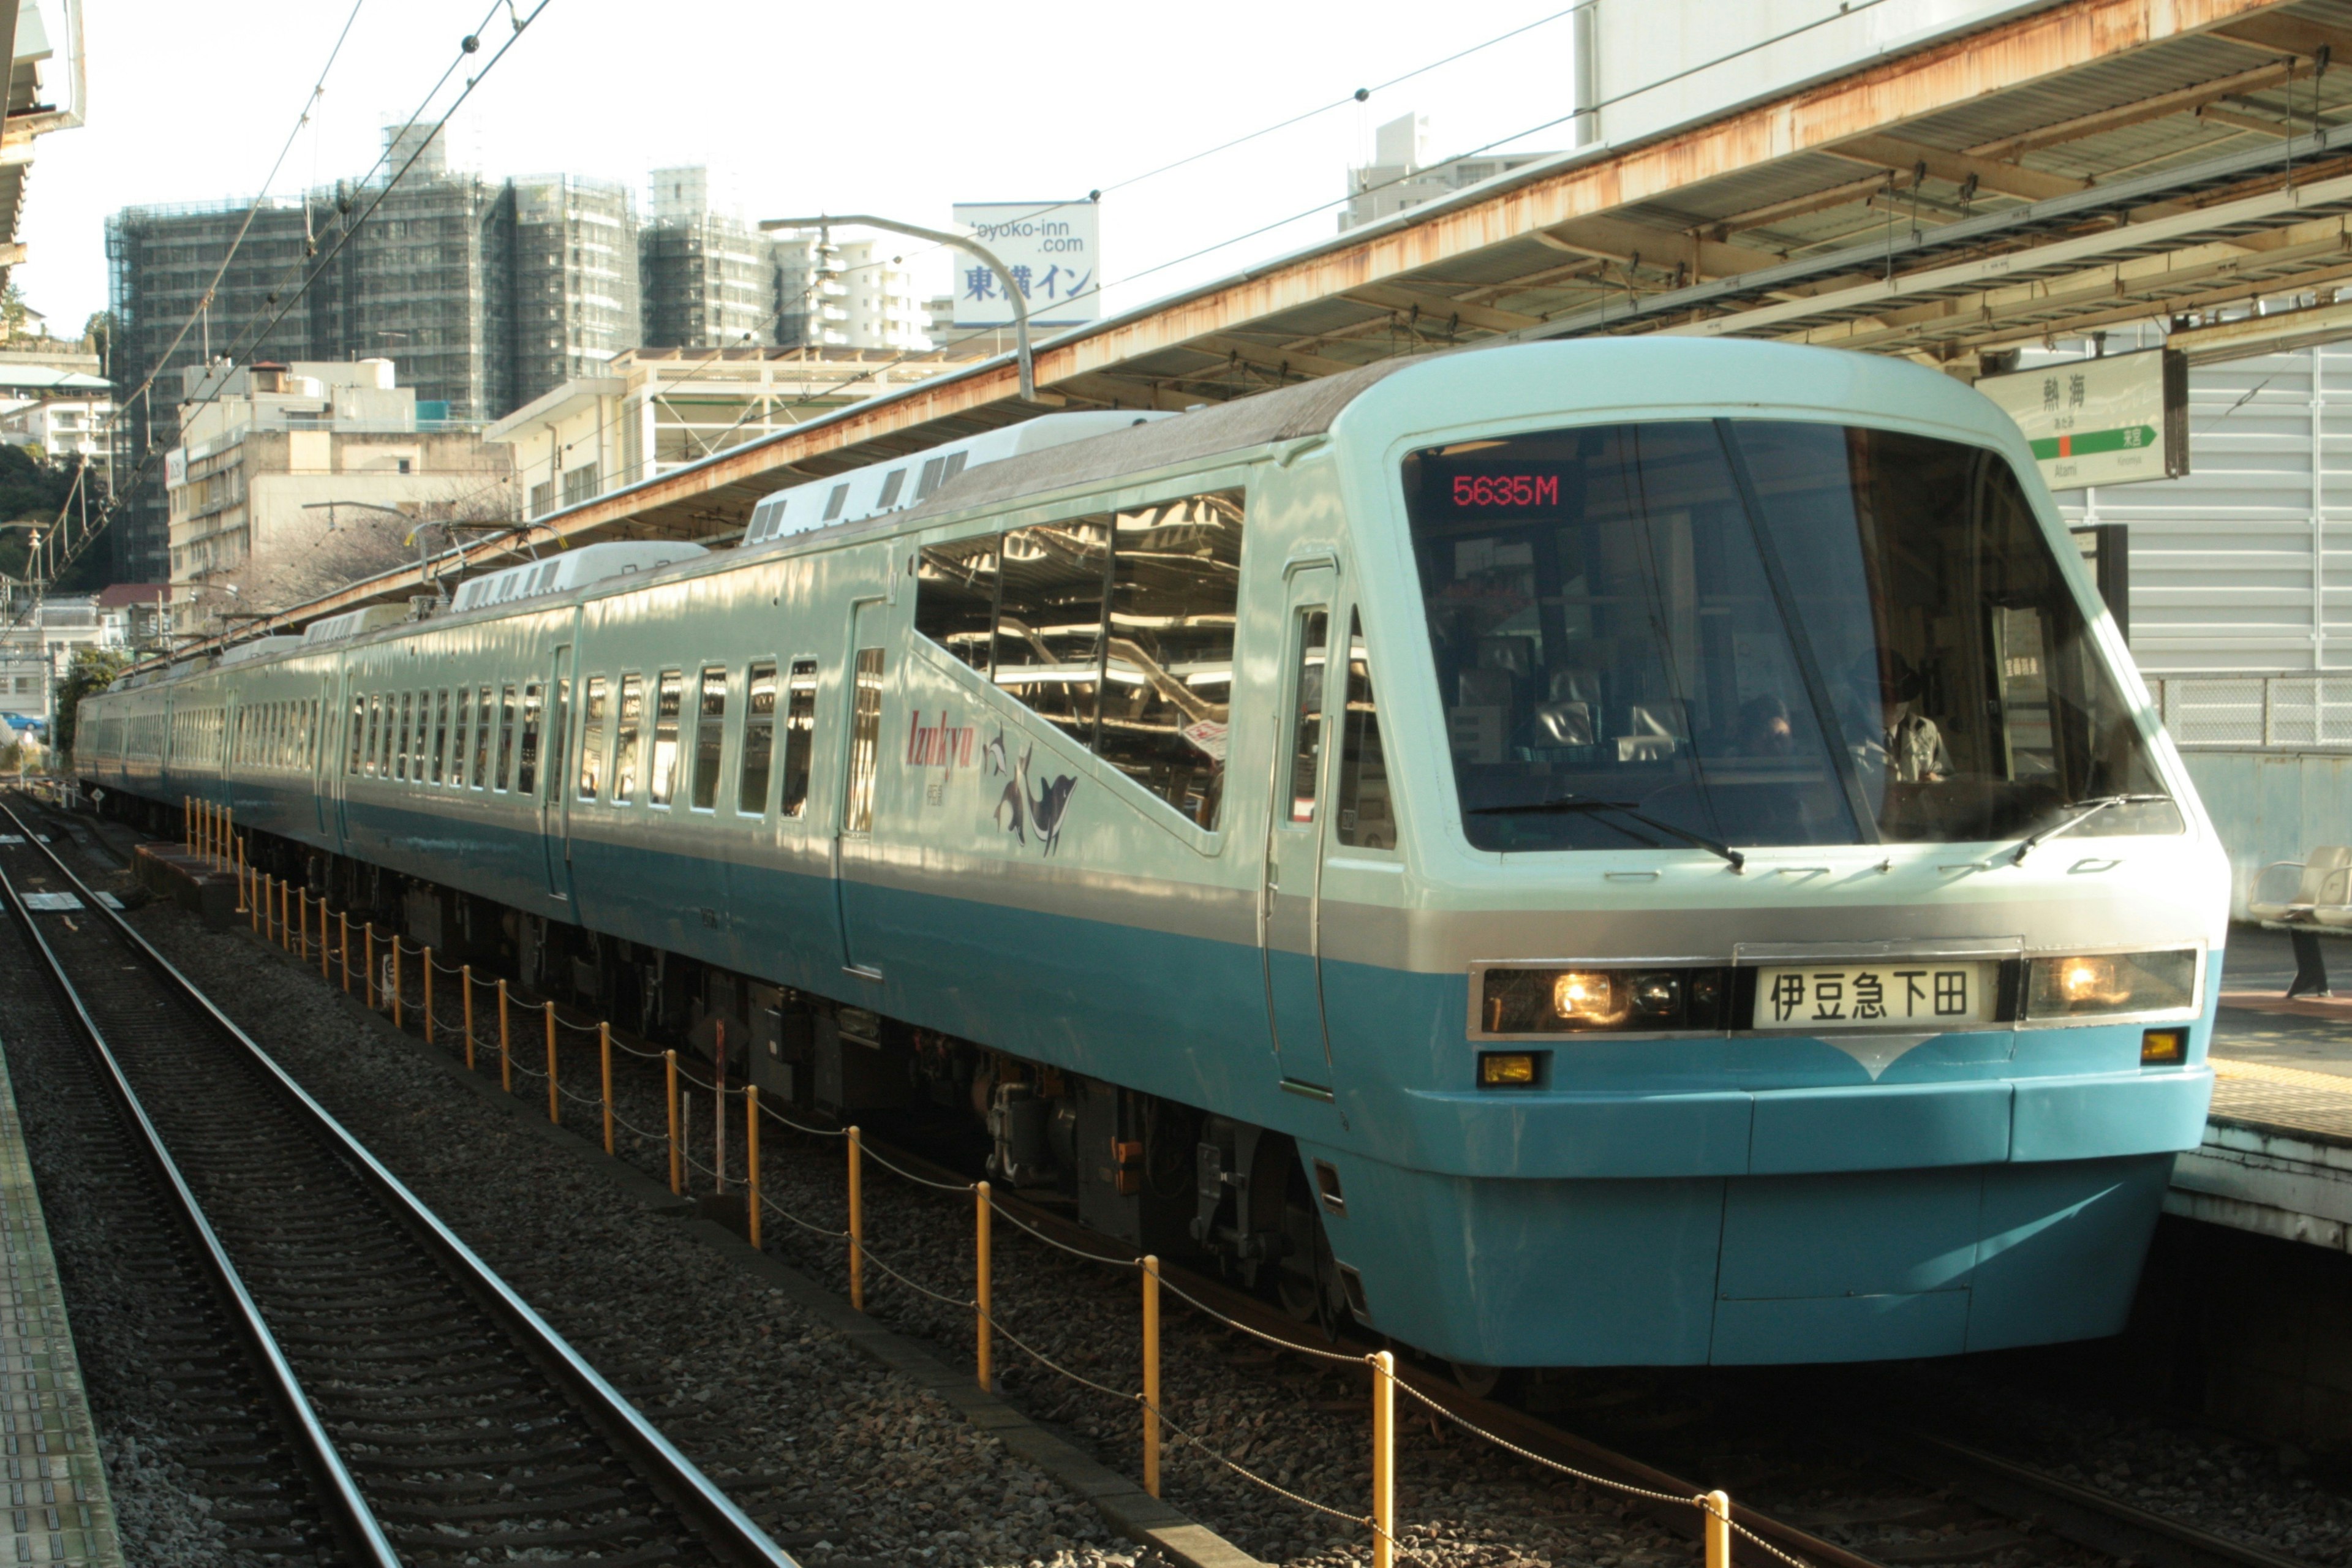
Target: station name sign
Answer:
pixel 1051 248
pixel 2115 420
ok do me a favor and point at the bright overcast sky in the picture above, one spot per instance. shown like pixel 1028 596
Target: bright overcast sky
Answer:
pixel 901 109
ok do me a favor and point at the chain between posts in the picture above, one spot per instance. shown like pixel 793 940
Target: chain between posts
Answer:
pixel 1719 1529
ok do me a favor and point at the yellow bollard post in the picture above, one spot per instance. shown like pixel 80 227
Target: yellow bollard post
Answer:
pixel 506 1056
pixel 369 943
pixel 465 984
pixel 983 1358
pixel 428 996
pixel 229 857
pixel 286 915
pixel 1383 1459
pixel 604 1054
pixel 751 1158
pixel 398 991
pixel 1718 1530
pixel 343 931
pixel 857 1225
pixel 244 904
pixel 1151 1375
pixel 265 905
pixel 554 1111
pixel 188 823
pixel 676 1185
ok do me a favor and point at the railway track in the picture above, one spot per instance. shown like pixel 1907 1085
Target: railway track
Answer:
pixel 386 1397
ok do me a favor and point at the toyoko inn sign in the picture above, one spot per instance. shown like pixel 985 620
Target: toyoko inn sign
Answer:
pixel 1050 248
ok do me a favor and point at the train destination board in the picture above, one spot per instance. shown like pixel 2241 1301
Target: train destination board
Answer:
pixel 1929 993
pixel 2116 420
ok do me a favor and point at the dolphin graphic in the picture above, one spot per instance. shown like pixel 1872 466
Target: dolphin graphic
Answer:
pixel 1045 810
pixel 995 753
pixel 1016 796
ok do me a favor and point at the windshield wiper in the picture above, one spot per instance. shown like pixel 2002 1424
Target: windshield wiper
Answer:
pixel 2083 811
pixel 1622 808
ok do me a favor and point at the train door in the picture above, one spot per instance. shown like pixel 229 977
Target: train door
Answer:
pixel 854 856
pixel 555 800
pixel 1291 889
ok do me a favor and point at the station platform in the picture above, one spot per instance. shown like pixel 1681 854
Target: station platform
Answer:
pixel 56 1510
pixel 2277 1155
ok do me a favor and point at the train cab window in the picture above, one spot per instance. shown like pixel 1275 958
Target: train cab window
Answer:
pixel 440 736
pixel 1364 818
pixel 527 761
pixel 591 740
pixel 800 736
pixel 400 741
pixel 709 737
pixel 359 729
pixel 627 724
pixel 502 779
pixel 1311 653
pixel 759 738
pixel 661 783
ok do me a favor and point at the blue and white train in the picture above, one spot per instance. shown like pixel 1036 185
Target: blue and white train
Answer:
pixel 1612 852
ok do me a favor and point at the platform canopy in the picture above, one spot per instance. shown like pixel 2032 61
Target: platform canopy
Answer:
pixel 2084 165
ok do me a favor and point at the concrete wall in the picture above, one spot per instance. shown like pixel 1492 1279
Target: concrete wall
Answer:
pixel 2272 806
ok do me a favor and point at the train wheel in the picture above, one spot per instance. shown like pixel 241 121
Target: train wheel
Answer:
pixel 1479 1382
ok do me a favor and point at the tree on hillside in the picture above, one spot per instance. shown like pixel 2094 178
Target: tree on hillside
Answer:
pixel 93 670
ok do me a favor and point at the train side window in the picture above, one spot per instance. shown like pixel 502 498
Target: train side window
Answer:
pixel 559 719
pixel 423 734
pixel 461 727
pixel 1312 636
pixel 591 740
pixel 400 741
pixel 759 738
pixel 359 729
pixel 1175 589
pixel 384 743
pixel 374 727
pixel 441 736
pixel 503 778
pixel 624 747
pixel 800 736
pixel 955 597
pixel 527 761
pixel 662 778
pixel 483 697
pixel 1049 621
pixel 1365 817
pixel 709 737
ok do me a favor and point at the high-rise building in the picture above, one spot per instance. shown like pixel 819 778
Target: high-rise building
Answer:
pixel 483 294
pixel 1401 176
pixel 708 280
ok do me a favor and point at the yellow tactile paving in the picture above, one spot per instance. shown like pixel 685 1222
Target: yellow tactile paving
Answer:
pixel 2292 1099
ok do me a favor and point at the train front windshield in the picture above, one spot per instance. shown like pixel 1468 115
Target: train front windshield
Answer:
pixel 1759 633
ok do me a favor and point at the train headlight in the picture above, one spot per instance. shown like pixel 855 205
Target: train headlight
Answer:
pixel 2092 985
pixel 1586 997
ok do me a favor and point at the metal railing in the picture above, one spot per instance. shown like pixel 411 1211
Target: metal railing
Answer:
pixel 2289 712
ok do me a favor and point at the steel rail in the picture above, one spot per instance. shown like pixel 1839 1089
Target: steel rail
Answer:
pixel 347 1510
pixel 724 1527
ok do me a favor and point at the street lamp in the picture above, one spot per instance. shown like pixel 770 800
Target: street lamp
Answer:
pixel 955 241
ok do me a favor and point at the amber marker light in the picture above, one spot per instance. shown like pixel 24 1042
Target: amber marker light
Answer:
pixel 2163 1047
pixel 1507 1069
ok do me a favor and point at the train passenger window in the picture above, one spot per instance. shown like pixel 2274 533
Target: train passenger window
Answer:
pixel 1167 670
pixel 1049 621
pixel 865 742
pixel 400 745
pixel 800 736
pixel 591 740
pixel 482 701
pixel 759 738
pixel 499 780
pixel 464 715
pixel 417 742
pixel 526 764
pixel 1313 624
pixel 1365 818
pixel 624 746
pixel 374 727
pixel 709 737
pixel 441 736
pixel 662 777
pixel 384 755
pixel 955 597
pixel 359 729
